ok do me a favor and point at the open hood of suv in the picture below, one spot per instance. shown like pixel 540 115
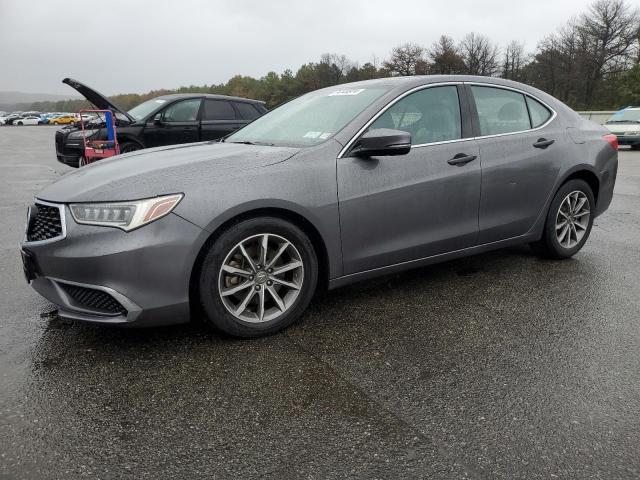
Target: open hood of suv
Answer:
pixel 98 99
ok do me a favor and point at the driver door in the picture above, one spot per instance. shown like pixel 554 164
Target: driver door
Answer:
pixel 178 123
pixel 395 209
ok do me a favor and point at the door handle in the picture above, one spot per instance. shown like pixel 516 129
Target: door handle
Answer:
pixel 461 159
pixel 543 143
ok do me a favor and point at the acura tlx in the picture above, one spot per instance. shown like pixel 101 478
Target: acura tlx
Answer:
pixel 339 185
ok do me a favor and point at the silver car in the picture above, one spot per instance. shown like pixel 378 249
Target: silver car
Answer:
pixel 339 185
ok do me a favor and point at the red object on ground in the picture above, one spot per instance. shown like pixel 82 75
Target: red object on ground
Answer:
pixel 98 149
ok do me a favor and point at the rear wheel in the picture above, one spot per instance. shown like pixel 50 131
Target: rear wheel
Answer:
pixel 569 221
pixel 258 277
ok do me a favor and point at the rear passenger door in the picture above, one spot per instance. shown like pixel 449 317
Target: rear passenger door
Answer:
pixel 520 152
pixel 219 118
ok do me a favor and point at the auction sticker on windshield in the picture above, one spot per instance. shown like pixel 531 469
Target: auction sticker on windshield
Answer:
pixel 354 91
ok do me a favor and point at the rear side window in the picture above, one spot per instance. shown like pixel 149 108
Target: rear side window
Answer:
pixel 247 111
pixel 539 113
pixel 429 115
pixel 218 110
pixel 500 110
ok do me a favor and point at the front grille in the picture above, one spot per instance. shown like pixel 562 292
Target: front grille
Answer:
pixel 59 142
pixel 94 299
pixel 44 224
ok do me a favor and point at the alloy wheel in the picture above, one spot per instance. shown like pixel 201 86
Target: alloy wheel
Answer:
pixel 572 219
pixel 261 278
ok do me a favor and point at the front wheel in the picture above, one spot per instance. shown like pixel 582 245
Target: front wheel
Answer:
pixel 127 147
pixel 258 277
pixel 569 221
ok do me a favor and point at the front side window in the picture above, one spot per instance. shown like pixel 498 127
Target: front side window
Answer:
pixel 500 110
pixel 309 119
pixel 182 111
pixel 218 110
pixel 429 115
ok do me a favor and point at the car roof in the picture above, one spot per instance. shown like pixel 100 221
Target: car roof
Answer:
pixel 175 96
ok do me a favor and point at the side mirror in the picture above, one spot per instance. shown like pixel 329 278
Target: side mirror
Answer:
pixel 157 120
pixel 383 142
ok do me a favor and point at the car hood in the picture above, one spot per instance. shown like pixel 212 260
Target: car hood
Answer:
pixel 97 98
pixel 622 128
pixel 159 171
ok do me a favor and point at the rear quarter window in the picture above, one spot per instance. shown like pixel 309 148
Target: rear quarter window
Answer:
pixel 539 113
pixel 247 111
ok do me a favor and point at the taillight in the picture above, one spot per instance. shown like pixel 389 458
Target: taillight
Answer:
pixel 612 140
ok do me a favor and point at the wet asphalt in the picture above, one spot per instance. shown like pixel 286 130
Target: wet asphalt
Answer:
pixel 501 365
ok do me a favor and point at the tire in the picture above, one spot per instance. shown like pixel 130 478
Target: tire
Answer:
pixel 259 278
pixel 20 124
pixel 559 241
pixel 127 147
pixel 635 147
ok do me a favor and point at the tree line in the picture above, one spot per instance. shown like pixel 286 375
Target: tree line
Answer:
pixel 592 62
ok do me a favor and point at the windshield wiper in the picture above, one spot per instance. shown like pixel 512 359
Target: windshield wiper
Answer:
pixel 247 142
pixel 623 121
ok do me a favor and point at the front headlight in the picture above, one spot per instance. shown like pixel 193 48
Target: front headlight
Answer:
pixel 125 215
pixel 83 133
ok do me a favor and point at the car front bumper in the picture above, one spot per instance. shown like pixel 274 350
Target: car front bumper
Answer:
pixel 68 152
pixel 106 275
pixel 631 140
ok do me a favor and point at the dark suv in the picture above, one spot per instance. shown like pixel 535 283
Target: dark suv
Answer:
pixel 165 120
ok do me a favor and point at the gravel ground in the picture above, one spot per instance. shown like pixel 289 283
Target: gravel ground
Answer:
pixel 500 365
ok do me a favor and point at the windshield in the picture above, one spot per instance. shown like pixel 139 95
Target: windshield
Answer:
pixel 309 119
pixel 144 109
pixel 626 116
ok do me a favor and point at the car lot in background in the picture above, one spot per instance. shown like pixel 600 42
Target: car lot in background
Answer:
pixel 165 120
pixel 27 120
pixel 65 119
pixel 500 366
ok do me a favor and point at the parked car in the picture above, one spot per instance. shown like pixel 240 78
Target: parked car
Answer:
pixel 625 124
pixel 342 184
pixel 28 120
pixel 165 120
pixel 62 119
pixel 9 119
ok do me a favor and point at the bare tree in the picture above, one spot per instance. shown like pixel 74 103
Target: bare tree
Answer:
pixel 480 55
pixel 339 65
pixel 514 61
pixel 407 59
pixel 610 30
pixel 445 58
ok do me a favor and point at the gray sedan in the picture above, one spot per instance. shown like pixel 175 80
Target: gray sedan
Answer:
pixel 339 185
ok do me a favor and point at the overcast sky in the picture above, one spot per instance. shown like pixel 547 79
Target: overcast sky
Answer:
pixel 127 46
